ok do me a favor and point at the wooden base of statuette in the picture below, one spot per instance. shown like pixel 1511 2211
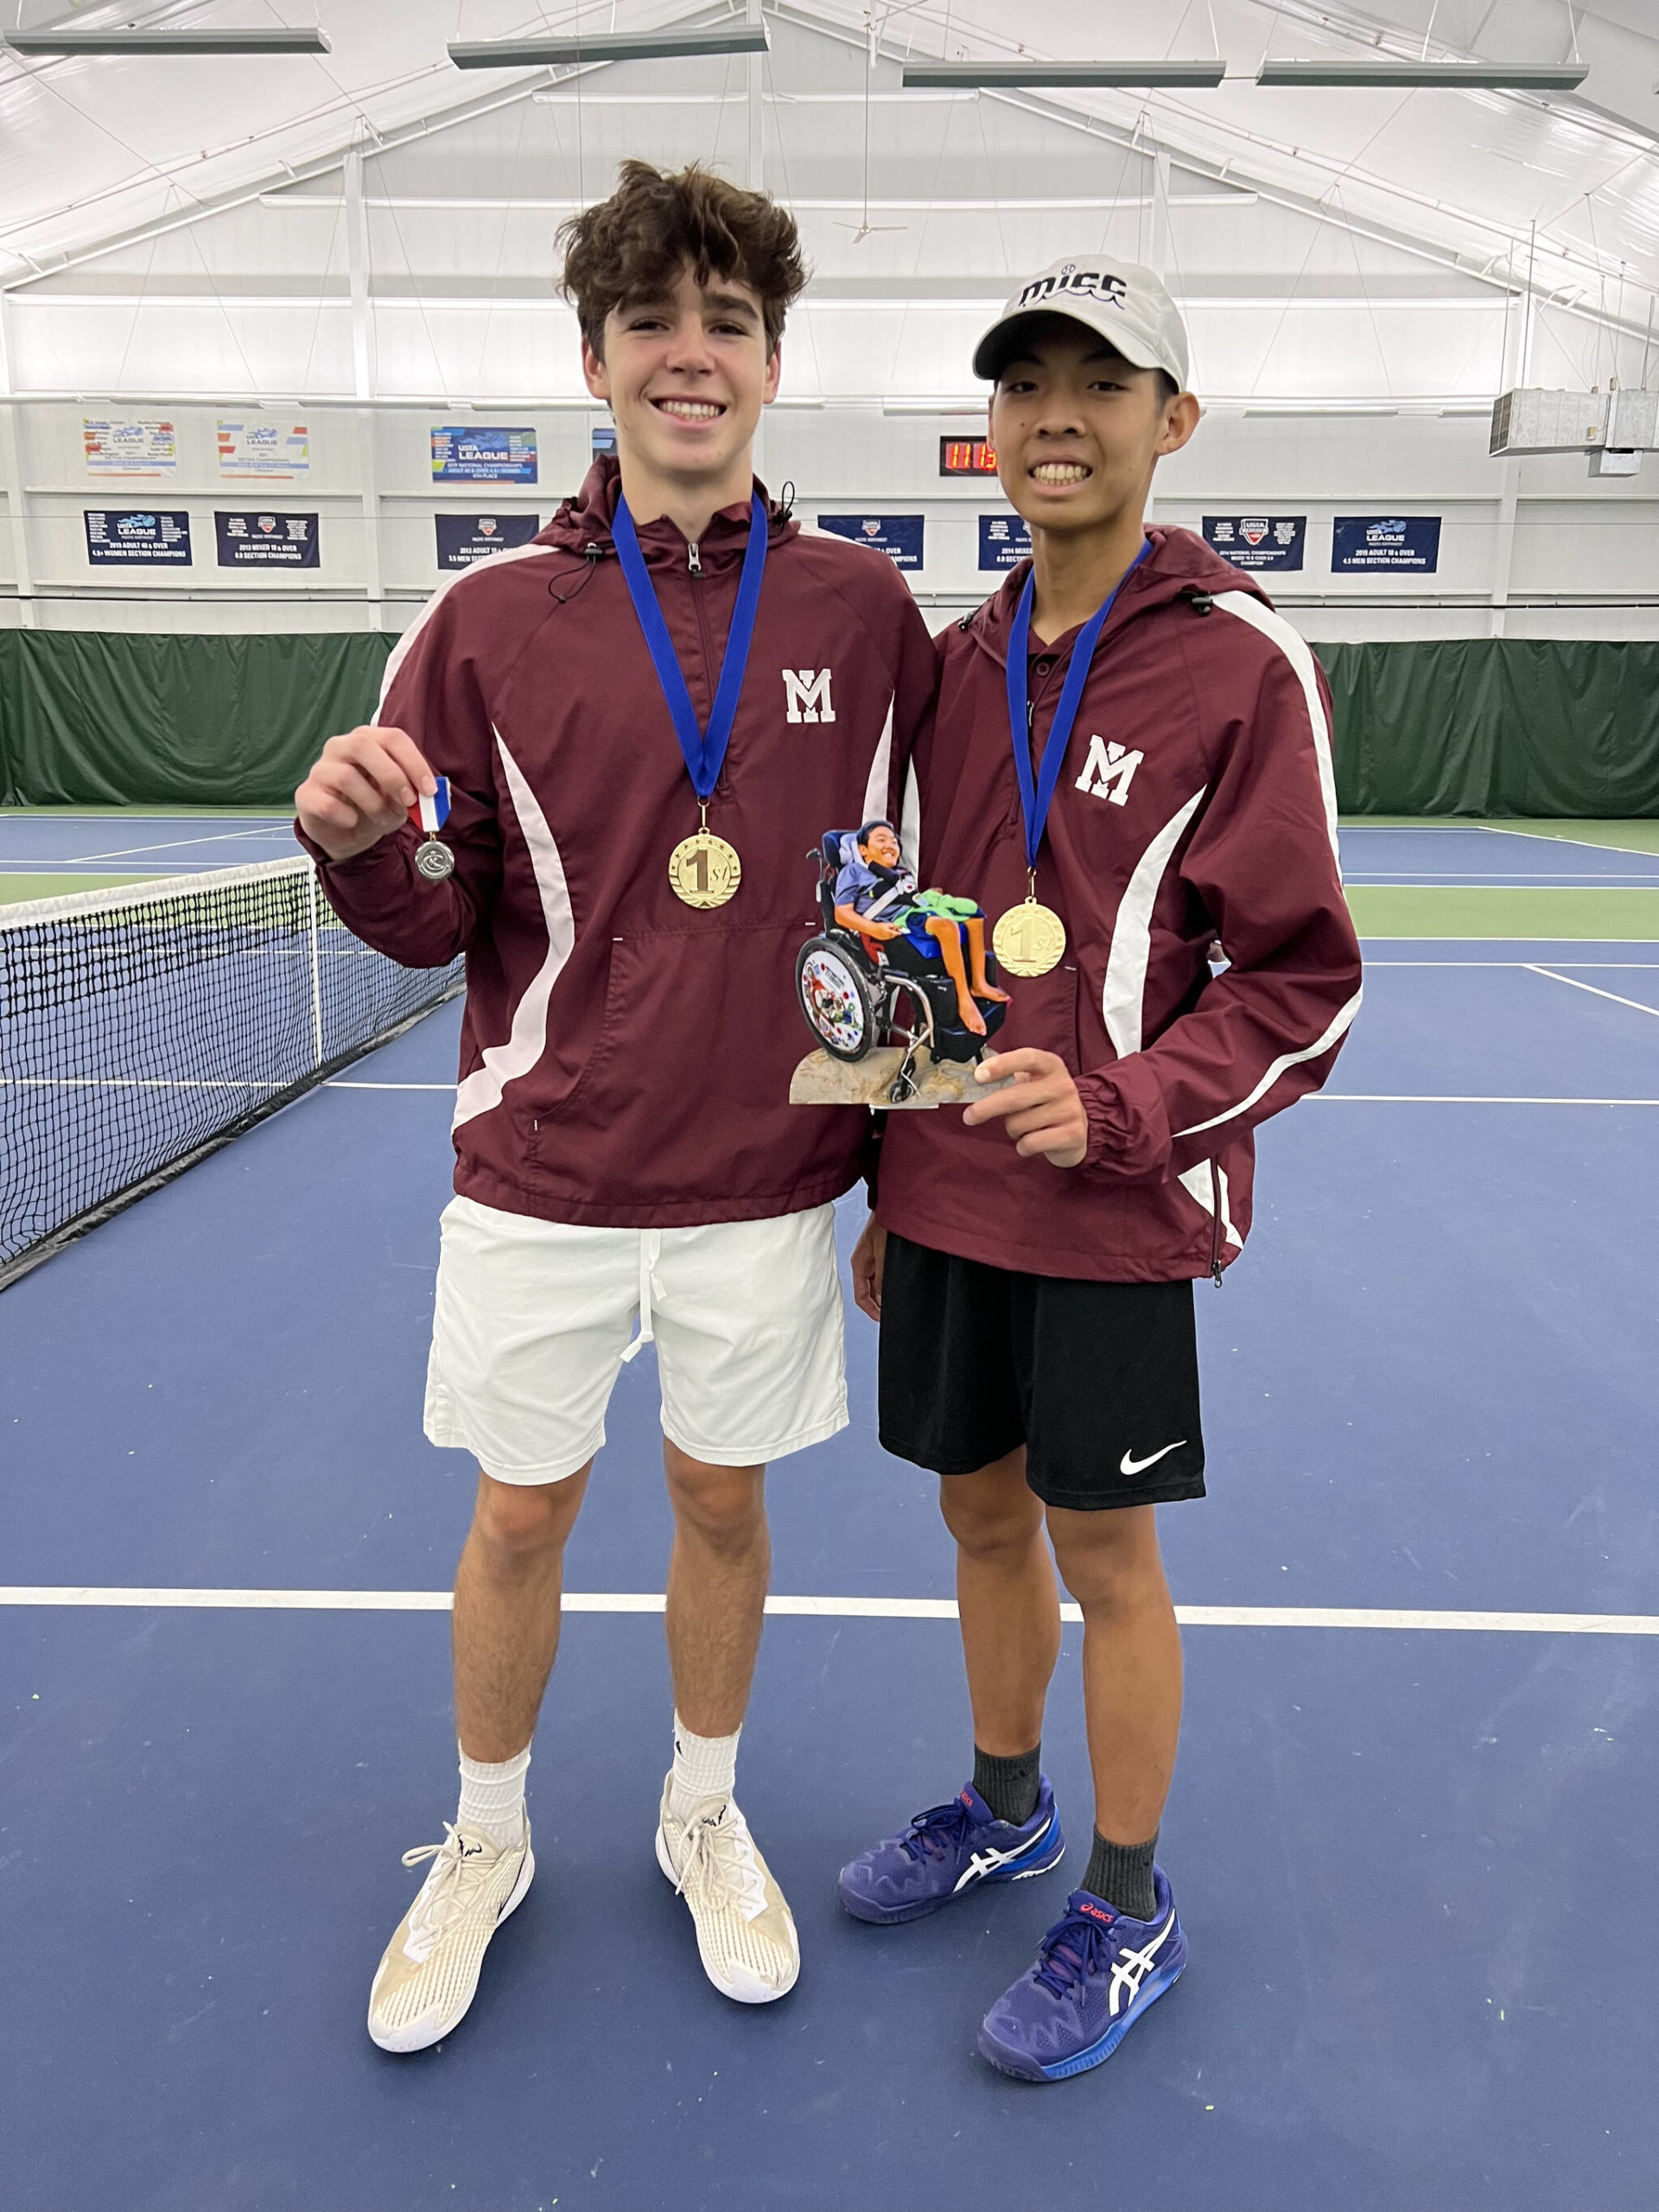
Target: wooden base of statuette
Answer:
pixel 821 1080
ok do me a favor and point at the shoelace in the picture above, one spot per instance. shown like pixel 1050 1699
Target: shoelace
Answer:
pixel 444 1896
pixel 1073 1949
pixel 940 1829
pixel 716 1859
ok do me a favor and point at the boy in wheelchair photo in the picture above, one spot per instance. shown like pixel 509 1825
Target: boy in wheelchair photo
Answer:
pixel 891 955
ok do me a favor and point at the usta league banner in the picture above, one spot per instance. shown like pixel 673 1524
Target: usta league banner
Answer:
pixel 162 536
pixel 266 541
pixel 1365 543
pixel 900 537
pixel 1004 541
pixel 1257 541
pixel 463 539
pixel 468 453
pixel 130 445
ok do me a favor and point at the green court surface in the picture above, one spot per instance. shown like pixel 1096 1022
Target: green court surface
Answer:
pixel 1481 911
pixel 16 888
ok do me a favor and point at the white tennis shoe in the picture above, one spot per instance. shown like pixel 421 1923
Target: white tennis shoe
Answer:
pixel 746 1935
pixel 429 1975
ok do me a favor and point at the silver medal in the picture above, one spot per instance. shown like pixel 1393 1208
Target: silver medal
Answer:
pixel 435 860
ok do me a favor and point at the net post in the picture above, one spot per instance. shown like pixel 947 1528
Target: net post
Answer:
pixel 316 969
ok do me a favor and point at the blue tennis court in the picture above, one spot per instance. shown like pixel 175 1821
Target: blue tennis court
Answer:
pixel 1413 1825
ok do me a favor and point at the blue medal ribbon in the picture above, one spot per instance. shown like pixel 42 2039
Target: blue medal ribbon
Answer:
pixel 704 750
pixel 1036 793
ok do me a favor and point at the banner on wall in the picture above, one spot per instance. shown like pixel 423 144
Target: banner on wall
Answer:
pixel 465 454
pixel 1004 541
pixel 139 534
pixel 1257 541
pixel 900 537
pixel 1371 542
pixel 266 541
pixel 264 449
pixel 604 437
pixel 130 445
pixel 463 539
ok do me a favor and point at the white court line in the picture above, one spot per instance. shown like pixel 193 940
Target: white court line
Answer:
pixel 1543 837
pixel 1630 965
pixel 178 844
pixel 888 1608
pixel 1409 1098
pixel 1573 982
pixel 1550 879
pixel 1325 1097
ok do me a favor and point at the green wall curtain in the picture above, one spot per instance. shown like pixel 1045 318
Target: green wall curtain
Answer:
pixel 1484 726
pixel 94 718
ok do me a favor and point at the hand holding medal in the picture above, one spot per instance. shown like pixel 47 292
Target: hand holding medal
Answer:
pixel 1030 939
pixel 703 870
pixel 434 859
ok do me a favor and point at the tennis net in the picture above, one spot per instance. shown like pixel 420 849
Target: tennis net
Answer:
pixel 143 1028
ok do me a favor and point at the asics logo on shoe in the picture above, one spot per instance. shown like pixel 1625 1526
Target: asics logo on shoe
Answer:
pixel 1129 1464
pixel 987 1859
pixel 1130 1969
pixel 1095 1913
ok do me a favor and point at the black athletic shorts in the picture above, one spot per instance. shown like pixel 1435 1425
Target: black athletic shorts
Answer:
pixel 1099 1381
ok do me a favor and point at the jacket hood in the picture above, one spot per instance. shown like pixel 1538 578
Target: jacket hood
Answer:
pixel 586 520
pixel 1179 566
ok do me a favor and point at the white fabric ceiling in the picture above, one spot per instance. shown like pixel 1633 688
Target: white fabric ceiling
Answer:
pixel 179 225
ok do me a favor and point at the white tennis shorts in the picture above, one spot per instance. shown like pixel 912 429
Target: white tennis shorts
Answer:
pixel 534 1320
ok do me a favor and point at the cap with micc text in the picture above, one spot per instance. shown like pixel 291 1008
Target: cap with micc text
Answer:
pixel 1129 306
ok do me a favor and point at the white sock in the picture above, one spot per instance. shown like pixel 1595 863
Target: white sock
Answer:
pixel 704 1767
pixel 493 1797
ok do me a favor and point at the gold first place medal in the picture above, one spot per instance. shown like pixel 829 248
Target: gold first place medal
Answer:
pixel 704 870
pixel 1029 940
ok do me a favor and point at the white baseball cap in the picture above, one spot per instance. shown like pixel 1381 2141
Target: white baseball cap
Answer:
pixel 1129 306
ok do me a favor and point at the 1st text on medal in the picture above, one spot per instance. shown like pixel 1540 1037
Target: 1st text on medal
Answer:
pixel 1029 940
pixel 703 870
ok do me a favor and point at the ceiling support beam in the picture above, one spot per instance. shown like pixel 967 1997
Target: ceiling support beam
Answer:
pixel 365 374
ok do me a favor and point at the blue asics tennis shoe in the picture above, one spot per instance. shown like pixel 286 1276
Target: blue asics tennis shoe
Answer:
pixel 946 1851
pixel 1095 1974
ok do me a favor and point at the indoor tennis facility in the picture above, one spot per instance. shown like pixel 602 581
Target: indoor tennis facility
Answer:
pixel 303 258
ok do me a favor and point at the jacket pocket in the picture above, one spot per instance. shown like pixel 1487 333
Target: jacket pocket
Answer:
pixel 686 1090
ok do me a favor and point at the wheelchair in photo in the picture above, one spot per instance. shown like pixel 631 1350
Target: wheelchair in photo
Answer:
pixel 857 993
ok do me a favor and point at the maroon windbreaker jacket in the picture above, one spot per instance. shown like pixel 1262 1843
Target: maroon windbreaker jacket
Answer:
pixel 625 1058
pixel 1196 799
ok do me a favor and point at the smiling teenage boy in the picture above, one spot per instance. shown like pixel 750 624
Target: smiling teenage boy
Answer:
pixel 1131 756
pixel 629 906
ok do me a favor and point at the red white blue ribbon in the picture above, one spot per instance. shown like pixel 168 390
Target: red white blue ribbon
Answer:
pixel 431 814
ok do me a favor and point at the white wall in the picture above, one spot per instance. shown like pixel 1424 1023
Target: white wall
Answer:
pixel 1573 538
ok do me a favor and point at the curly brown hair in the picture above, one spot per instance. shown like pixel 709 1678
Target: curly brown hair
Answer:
pixel 634 245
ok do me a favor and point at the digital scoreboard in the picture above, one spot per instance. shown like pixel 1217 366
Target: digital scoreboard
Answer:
pixel 966 457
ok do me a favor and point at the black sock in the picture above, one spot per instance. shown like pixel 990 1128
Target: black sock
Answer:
pixel 1122 1873
pixel 1008 1786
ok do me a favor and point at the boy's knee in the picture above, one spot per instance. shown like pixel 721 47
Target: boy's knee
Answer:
pixel 725 1506
pixel 522 1521
pixel 992 1511
pixel 1106 1559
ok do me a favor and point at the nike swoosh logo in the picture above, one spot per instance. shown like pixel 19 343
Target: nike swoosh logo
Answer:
pixel 1129 1466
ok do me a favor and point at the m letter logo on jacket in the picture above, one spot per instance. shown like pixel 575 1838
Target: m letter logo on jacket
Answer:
pixel 1108 772
pixel 807 691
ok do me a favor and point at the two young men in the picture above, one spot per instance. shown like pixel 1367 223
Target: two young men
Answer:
pixel 630 907
pixel 1130 755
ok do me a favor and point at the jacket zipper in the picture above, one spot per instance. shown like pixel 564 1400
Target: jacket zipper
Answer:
pixel 694 571
pixel 1215 1224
